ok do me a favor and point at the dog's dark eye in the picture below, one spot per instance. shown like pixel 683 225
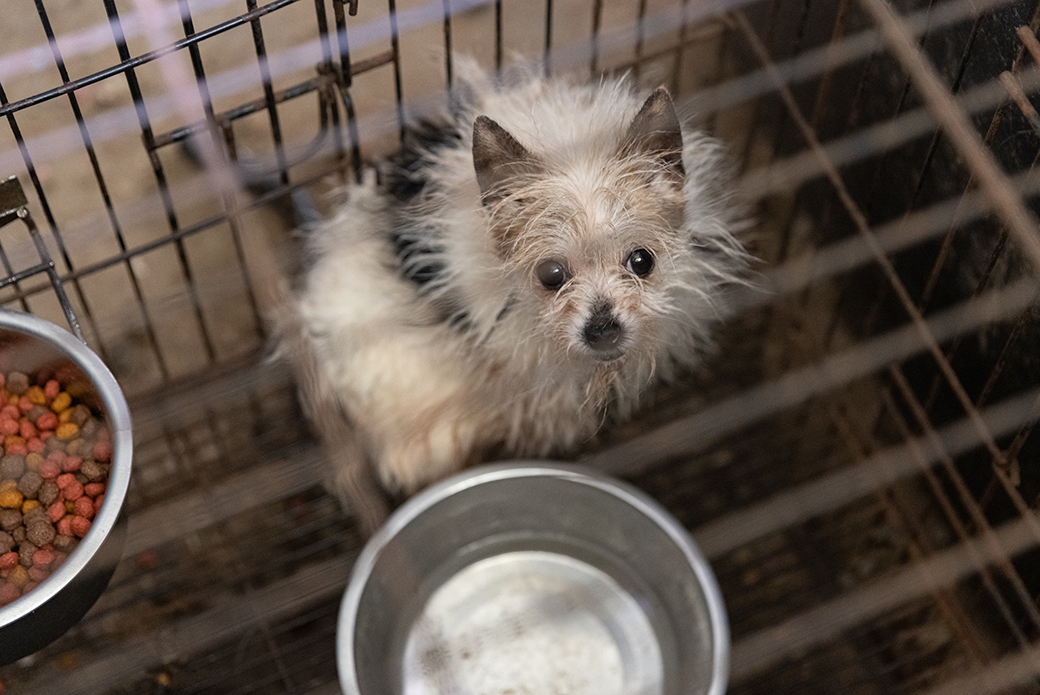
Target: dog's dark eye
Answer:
pixel 640 262
pixel 552 274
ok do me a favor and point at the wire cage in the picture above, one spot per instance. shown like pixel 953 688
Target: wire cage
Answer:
pixel 856 460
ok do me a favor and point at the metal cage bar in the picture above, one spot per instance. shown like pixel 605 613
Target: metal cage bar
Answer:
pixel 853 414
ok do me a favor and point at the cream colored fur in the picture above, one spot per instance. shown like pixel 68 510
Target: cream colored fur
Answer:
pixel 420 396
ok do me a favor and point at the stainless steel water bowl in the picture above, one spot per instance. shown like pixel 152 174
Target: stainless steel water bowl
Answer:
pixel 536 578
pixel 29 344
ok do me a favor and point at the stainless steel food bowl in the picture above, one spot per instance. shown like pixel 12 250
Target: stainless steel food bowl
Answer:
pixel 532 577
pixel 29 344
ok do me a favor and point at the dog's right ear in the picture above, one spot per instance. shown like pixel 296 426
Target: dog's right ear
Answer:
pixel 498 160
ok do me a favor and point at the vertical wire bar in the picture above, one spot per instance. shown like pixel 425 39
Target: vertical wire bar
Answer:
pixel 52 274
pixel 41 248
pixel 223 177
pixel 1005 353
pixel 395 47
pixel 597 20
pixel 326 105
pixel 345 82
pixel 498 36
pixel 880 169
pixel 8 272
pixel 717 78
pixel 680 50
pixel 55 232
pixel 115 23
pixel 756 119
pixel 117 228
pixel 268 86
pixel 845 292
pixel 23 148
pixel 323 34
pixel 640 16
pixel 447 43
pixel 823 91
pixel 547 52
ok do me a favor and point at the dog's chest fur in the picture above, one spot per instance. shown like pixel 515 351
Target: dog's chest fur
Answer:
pixel 422 308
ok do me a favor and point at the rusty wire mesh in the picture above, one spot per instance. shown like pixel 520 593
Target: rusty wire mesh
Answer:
pixel 857 460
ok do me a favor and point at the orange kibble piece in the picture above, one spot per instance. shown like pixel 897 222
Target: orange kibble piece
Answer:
pixel 61 402
pixel 85 507
pixel 30 504
pixel 56 511
pixel 103 451
pixel 8 593
pixel 73 491
pixel 64 416
pixel 44 556
pixel 35 395
pixel 80 526
pixel 13 439
pixel 46 421
pixel 67 430
pixel 49 469
pixel 11 499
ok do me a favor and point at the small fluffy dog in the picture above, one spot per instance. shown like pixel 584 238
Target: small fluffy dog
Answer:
pixel 521 269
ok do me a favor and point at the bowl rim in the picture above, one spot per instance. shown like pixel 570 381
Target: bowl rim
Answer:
pixel 119 476
pixel 493 472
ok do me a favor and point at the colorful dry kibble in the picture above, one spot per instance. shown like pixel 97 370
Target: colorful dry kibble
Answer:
pixel 55 456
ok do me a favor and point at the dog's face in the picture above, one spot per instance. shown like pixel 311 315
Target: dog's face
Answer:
pixel 596 241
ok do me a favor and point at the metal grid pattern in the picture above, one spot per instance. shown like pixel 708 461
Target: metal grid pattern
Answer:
pixel 857 461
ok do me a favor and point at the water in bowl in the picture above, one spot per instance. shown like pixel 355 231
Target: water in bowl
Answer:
pixel 532 623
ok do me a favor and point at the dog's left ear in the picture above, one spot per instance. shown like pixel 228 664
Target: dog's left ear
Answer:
pixel 655 131
pixel 498 160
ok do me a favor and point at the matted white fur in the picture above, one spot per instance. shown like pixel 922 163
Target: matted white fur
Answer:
pixel 421 378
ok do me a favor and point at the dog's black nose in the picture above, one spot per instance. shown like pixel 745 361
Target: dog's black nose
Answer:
pixel 603 332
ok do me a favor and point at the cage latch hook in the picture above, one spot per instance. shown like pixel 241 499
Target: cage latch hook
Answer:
pixel 15 205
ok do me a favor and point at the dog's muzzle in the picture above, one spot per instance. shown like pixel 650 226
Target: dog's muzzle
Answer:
pixel 603 334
